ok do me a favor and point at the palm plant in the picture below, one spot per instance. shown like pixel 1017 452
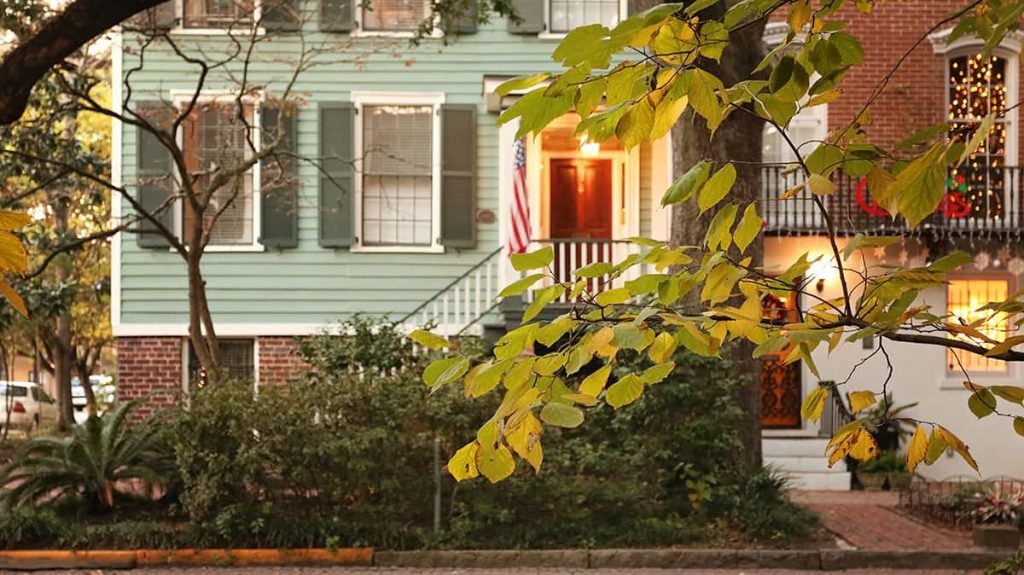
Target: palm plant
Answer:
pixel 104 452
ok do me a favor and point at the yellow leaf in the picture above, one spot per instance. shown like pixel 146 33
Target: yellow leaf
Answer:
pixel 594 383
pixel 791 192
pixel 13 220
pixel 429 340
pixel 917 450
pixel 625 391
pixel 864 446
pixel 462 465
pixel 860 400
pixel 814 405
pixel 12 253
pixel 958 446
pixel 799 15
pixel 495 463
pixel 663 347
pixel 820 185
pixel 13 297
pixel 525 440
pixel 601 343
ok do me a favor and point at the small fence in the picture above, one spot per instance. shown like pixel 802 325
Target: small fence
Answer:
pixel 950 501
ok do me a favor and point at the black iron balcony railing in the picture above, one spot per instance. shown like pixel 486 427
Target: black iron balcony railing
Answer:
pixel 976 201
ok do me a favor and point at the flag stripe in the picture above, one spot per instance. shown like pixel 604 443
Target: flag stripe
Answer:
pixel 519 230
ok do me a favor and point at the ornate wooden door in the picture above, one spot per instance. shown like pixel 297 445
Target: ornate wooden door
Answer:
pixel 781 388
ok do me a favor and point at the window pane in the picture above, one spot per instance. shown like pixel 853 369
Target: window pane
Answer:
pixel 217 13
pixel 568 14
pixel 397 175
pixel 394 15
pixel 215 140
pixel 236 358
pixel 977 86
pixel 964 297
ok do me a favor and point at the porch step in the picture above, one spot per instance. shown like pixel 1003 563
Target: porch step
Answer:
pixel 802 459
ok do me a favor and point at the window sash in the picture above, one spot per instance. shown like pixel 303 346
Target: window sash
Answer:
pixel 397 204
pixel 212 137
pixel 237 359
pixel 217 13
pixel 564 15
pixel 394 15
pixel 963 298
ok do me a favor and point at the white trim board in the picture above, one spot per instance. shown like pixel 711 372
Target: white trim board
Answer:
pixel 116 175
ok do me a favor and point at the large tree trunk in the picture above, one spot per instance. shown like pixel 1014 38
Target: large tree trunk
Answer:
pixel 62 351
pixel 737 139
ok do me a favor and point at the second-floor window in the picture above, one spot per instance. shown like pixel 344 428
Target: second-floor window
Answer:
pixel 964 298
pixel 397 180
pixel 215 140
pixel 978 86
pixel 393 15
pixel 217 13
pixel 564 15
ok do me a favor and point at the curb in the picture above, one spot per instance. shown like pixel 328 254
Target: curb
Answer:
pixel 574 559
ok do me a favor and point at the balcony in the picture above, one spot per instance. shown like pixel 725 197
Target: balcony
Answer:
pixel 987 202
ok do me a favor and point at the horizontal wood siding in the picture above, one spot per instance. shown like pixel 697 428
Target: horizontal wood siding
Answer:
pixel 310 284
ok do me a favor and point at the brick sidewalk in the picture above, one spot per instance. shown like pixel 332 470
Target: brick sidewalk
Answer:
pixel 868 520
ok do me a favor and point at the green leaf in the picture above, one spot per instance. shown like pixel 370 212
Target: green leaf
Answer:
pixel 657 373
pixel 979 136
pixel 515 342
pixel 702 97
pixel 561 415
pixel 635 126
pixel 554 330
pixel 579 356
pixel 628 335
pixel 537 110
pixel 590 95
pixel 825 159
pixel 489 377
pixel 849 48
pixel 532 260
pixel 429 340
pixel 584 44
pixel 1010 393
pixel 720 281
pixel 520 83
pixel 951 262
pixel 549 364
pixel 981 403
pixel 820 185
pixel 1018 425
pixel 594 383
pixel 718 230
pixel 541 299
pixel 645 284
pixel 921 186
pixel 625 391
pixel 519 286
pixel 444 371
pixel 666 114
pixel 716 188
pixel 613 297
pixel 750 225
pixel 595 270
pixel 686 185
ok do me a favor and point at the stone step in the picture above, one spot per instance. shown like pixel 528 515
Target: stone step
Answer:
pixel 810 446
pixel 815 464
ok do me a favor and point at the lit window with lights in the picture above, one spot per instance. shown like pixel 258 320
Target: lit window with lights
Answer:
pixel 978 86
pixel 964 297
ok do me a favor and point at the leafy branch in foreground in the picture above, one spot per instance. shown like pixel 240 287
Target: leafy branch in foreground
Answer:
pixel 701 297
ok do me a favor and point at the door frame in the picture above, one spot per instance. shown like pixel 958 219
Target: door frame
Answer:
pixel 625 190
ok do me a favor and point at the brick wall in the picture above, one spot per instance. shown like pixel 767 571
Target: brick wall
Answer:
pixel 153 366
pixel 279 360
pixel 915 96
pixel 149 366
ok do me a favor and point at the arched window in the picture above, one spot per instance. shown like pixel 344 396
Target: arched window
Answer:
pixel 977 86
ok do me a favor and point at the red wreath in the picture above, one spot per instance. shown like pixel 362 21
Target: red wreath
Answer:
pixel 867 204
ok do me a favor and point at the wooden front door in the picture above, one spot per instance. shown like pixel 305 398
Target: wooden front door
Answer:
pixel 781 388
pixel 580 209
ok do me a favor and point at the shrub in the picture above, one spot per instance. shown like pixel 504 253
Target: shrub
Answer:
pixel 99 457
pixel 27 526
pixel 762 510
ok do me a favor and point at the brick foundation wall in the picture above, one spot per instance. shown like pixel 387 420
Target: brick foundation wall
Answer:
pixel 149 366
pixel 279 360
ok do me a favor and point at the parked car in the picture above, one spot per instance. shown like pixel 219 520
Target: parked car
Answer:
pixel 103 389
pixel 26 407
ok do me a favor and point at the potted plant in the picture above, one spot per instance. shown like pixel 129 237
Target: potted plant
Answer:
pixel 872 474
pixel 996 515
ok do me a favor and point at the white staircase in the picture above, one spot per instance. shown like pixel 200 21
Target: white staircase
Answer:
pixel 803 460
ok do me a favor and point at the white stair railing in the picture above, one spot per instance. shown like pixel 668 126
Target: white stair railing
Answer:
pixel 572 254
pixel 459 306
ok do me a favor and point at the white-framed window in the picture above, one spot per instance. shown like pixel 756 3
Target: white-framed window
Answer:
pixel 964 296
pixel 808 126
pixel 214 137
pixel 564 15
pixel 390 16
pixel 976 86
pixel 217 14
pixel 398 183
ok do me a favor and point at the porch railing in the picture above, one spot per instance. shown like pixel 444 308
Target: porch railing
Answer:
pixel 465 301
pixel 836 414
pixel 572 254
pixel 976 201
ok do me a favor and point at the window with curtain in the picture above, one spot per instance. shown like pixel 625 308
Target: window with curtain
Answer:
pixel 964 297
pixel 977 86
pixel 217 13
pixel 564 15
pixel 215 139
pixel 394 15
pixel 397 195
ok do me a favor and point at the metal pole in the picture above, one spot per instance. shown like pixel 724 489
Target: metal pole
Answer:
pixel 437 484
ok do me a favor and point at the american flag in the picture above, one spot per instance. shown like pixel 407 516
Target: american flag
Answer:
pixel 519 231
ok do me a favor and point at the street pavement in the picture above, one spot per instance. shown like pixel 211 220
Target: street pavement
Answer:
pixel 368 571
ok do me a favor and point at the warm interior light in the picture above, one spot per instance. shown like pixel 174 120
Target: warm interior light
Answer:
pixel 589 148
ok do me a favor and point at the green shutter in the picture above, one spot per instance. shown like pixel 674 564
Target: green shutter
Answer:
pixel 281 15
pixel 279 218
pixel 337 15
pixel 337 175
pixel 154 178
pixel 458 176
pixel 466 22
pixel 531 14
